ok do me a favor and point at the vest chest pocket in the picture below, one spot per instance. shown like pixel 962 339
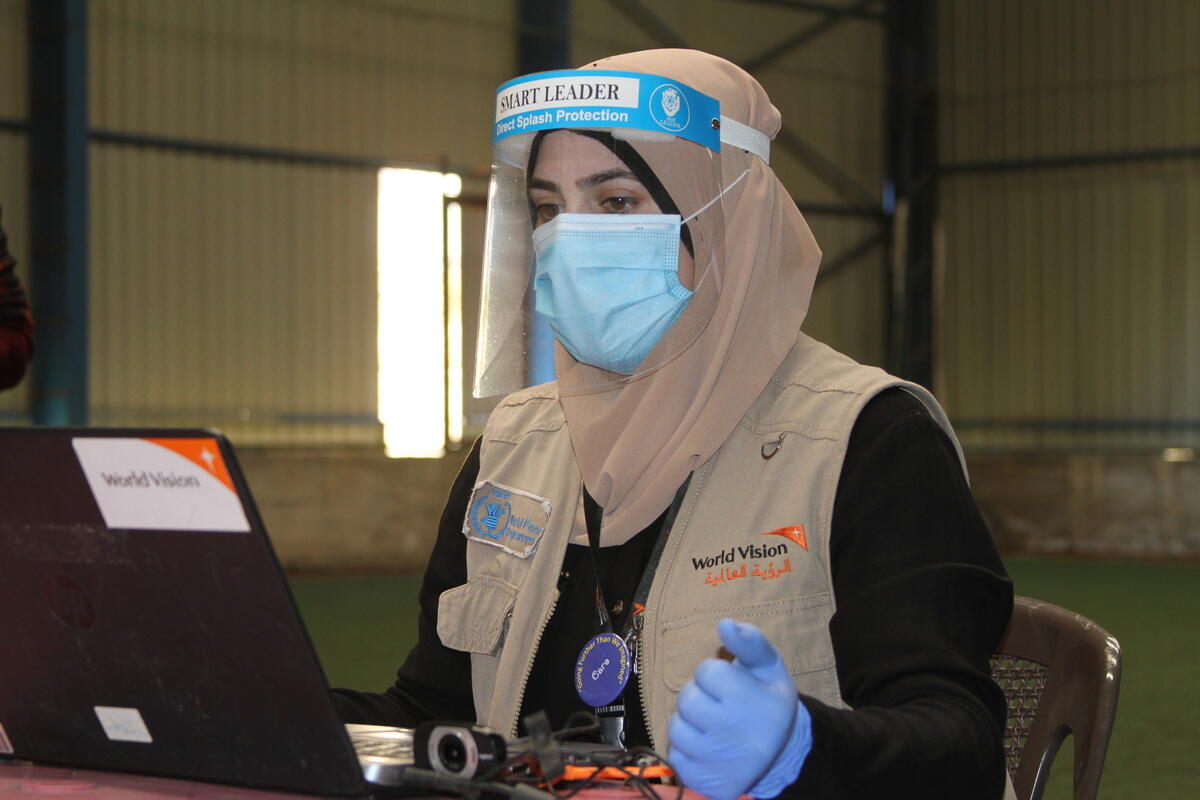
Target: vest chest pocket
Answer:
pixel 474 617
pixel 798 627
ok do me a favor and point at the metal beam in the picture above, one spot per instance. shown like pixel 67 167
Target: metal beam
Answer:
pixel 1111 424
pixel 822 8
pixel 648 21
pixel 833 18
pixel 543 43
pixel 850 255
pixel 831 210
pixel 1069 160
pixel 829 172
pixel 821 166
pixel 15 125
pixel 912 171
pixel 865 201
pixel 58 129
pixel 309 158
pixel 543 35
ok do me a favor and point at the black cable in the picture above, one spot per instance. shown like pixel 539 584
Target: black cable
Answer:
pixel 591 725
pixel 646 751
pixel 507 764
pixel 504 780
pixel 469 787
pixel 625 763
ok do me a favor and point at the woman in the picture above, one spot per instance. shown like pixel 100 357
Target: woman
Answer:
pixel 698 458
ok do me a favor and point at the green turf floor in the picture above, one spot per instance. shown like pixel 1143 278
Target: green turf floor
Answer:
pixel 362 628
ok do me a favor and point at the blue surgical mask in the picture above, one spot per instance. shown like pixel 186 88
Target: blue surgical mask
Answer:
pixel 609 284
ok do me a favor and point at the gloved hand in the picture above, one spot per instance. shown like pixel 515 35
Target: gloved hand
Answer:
pixel 739 727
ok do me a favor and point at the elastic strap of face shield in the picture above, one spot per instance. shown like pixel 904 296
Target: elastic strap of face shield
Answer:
pixel 749 139
pixel 705 207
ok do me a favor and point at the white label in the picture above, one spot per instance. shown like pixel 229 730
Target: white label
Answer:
pixel 161 484
pixel 6 747
pixel 123 724
pixel 567 90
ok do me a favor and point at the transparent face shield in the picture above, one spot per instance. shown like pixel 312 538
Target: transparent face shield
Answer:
pixel 605 243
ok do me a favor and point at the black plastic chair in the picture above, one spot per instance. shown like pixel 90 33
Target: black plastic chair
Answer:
pixel 1061 675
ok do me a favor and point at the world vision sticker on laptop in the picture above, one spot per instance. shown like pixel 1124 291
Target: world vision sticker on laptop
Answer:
pixel 507 518
pixel 161 484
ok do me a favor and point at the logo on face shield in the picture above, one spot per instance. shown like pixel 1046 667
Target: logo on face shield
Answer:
pixel 670 101
pixel 670 108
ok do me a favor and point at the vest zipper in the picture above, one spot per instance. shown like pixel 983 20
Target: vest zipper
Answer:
pixel 639 623
pixel 537 643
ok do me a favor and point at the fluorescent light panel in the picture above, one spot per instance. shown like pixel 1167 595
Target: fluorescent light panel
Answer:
pixel 413 287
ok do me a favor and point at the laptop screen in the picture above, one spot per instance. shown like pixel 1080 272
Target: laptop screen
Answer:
pixel 149 625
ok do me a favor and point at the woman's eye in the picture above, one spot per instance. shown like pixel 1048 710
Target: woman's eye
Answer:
pixel 620 204
pixel 545 212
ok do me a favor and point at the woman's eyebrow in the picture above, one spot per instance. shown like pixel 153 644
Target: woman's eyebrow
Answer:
pixel 597 178
pixel 541 183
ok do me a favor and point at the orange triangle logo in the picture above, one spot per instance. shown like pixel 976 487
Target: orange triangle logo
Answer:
pixel 204 453
pixel 793 532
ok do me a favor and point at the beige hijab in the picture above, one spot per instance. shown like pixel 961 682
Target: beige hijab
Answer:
pixel 636 442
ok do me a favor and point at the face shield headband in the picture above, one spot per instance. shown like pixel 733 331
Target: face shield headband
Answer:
pixel 612 99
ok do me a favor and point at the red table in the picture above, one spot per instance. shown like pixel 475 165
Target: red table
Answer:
pixel 25 781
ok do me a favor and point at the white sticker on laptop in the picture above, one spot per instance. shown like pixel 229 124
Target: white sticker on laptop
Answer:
pixel 161 484
pixel 123 724
pixel 6 748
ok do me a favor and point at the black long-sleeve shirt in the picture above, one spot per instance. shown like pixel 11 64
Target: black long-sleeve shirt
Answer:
pixel 16 324
pixel 922 600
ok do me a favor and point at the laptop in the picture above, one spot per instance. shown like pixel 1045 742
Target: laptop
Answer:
pixel 148 626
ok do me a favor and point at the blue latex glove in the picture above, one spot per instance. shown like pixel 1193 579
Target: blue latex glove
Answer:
pixel 739 727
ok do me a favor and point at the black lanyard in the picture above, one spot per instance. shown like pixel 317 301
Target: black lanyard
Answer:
pixel 592 515
pixel 612 716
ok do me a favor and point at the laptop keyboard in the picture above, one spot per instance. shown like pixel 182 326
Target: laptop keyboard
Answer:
pixel 382 742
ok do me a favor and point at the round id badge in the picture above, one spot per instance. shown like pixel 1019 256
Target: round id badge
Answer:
pixel 602 669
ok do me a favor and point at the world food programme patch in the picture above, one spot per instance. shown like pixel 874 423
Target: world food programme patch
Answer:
pixel 507 518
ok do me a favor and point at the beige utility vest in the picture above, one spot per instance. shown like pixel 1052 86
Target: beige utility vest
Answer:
pixel 751 540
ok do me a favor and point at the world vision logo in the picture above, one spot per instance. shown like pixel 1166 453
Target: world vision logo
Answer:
pixel 202 452
pixel 793 532
pixel 763 561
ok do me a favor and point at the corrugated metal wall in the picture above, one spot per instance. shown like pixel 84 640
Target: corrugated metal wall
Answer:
pixel 1070 290
pixel 239 291
pixel 409 79
pixel 14 57
pixel 830 92
pixel 235 292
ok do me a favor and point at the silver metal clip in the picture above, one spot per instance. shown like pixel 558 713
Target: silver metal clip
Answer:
pixel 635 643
pixel 771 446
